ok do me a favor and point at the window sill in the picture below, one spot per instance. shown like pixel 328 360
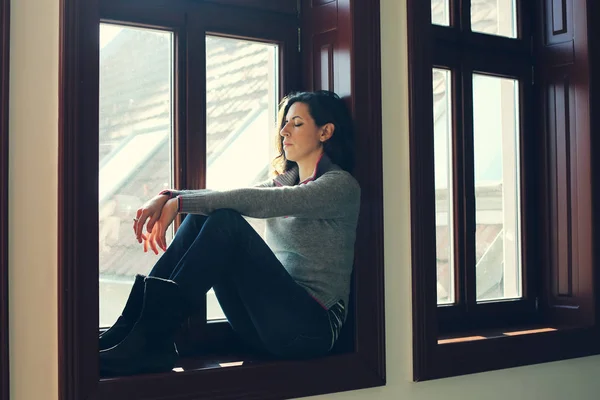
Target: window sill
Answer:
pixel 480 352
pixel 496 334
pixel 223 377
pixel 194 364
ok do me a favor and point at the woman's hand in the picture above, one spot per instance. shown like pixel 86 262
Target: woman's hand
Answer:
pixel 149 211
pixel 157 237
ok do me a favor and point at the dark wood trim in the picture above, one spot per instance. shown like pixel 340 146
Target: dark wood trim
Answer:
pixel 4 80
pixel 280 6
pixel 594 56
pixel 362 367
pixel 422 178
pixel 468 203
pixel 78 198
pixel 369 261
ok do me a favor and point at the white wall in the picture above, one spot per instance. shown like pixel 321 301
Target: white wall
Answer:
pixel 33 269
pixel 33 199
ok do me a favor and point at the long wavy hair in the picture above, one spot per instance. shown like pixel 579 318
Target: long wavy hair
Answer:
pixel 324 107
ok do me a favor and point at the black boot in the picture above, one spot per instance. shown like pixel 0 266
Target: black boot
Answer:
pixel 150 346
pixel 130 314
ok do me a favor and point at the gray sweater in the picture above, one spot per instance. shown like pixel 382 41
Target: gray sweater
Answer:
pixel 311 226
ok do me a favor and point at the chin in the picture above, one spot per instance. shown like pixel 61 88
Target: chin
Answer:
pixel 289 157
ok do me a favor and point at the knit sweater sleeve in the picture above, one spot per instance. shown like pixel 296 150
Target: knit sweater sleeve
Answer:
pixel 267 183
pixel 332 195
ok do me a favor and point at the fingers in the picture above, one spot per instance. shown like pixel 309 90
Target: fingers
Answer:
pixel 150 224
pixel 153 242
pixel 149 242
pixel 136 220
pixel 152 221
pixel 140 225
pixel 162 242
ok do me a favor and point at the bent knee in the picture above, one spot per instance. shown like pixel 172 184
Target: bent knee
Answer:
pixel 195 218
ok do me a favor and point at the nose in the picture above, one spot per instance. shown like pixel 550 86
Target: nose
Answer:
pixel 284 132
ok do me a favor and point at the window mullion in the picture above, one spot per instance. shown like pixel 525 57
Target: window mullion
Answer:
pixel 180 111
pixel 192 151
pixel 178 170
pixel 468 187
pixel 459 188
pixel 195 152
pixel 462 11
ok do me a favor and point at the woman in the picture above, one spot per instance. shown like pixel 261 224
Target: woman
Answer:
pixel 287 296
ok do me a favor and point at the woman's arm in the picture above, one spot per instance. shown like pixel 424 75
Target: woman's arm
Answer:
pixel 332 195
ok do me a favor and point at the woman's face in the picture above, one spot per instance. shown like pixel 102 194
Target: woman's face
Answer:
pixel 302 138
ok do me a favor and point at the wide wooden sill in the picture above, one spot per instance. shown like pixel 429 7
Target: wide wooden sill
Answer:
pixel 195 364
pixel 476 352
pixel 223 378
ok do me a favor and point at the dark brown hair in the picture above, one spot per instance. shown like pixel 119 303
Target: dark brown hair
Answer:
pixel 324 107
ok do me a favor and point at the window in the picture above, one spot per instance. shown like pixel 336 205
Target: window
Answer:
pixel 500 185
pixel 497 170
pixel 136 131
pixel 440 12
pixel 480 104
pixel 165 88
pixel 494 17
pixel 135 147
pixel 137 136
pixel 442 92
pixel 4 77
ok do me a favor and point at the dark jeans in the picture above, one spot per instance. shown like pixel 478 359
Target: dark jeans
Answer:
pixel 262 302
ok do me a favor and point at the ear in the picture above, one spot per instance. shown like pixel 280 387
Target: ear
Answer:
pixel 326 132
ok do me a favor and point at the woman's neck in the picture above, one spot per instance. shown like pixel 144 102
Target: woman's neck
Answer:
pixel 306 167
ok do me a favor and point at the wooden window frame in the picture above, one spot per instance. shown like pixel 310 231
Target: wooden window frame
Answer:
pixel 465 53
pixel 360 366
pixel 478 344
pixel 4 80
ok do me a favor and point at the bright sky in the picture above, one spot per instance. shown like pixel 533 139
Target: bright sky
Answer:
pixel 107 33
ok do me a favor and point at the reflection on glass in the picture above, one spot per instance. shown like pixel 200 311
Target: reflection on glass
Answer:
pixel 440 12
pixel 497 184
pixel 494 17
pixel 442 117
pixel 242 96
pixel 135 151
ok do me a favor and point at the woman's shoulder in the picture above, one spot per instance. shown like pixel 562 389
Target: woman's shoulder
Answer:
pixel 342 178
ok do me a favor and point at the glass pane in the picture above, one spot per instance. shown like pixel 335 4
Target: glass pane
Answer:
pixel 440 12
pixel 242 97
pixel 442 119
pixel 494 17
pixel 497 183
pixel 136 126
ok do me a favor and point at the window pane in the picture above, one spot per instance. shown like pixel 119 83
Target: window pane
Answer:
pixel 440 12
pixel 442 118
pixel 135 150
pixel 242 96
pixel 497 183
pixel 494 17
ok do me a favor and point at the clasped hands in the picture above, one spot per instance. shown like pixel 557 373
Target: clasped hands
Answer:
pixel 157 214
